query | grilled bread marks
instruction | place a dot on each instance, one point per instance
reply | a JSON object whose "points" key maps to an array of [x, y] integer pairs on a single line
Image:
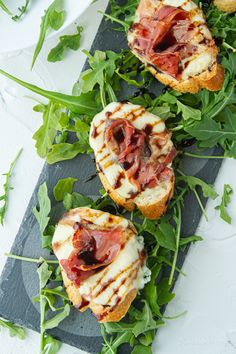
{"points": [[172, 39], [108, 281], [133, 152]]}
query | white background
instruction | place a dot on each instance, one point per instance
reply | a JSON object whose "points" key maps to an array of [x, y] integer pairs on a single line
{"points": [[208, 292]]}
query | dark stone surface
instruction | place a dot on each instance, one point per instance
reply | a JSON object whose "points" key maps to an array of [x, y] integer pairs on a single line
{"points": [[19, 281]]}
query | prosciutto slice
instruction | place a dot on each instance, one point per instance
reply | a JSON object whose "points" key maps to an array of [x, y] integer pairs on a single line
{"points": [[133, 151], [93, 249], [162, 38]]}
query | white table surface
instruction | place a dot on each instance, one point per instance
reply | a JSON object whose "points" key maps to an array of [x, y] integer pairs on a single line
{"points": [[208, 292]]}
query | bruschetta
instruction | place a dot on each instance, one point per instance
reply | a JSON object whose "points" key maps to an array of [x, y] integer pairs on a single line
{"points": [[172, 39], [226, 5], [134, 153], [103, 261]]}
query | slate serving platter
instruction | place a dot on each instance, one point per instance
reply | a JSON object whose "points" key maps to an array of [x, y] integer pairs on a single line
{"points": [[19, 280]]}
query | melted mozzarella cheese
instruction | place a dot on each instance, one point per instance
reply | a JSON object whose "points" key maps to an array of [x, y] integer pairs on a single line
{"points": [[197, 65], [122, 275], [106, 160]]}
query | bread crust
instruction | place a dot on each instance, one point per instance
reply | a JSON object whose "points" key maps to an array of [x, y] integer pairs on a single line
{"points": [[226, 5], [114, 314], [211, 80], [150, 211]]}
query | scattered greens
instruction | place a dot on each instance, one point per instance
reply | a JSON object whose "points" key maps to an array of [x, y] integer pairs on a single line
{"points": [[63, 187], [22, 11], [42, 215], [5, 8], [65, 42], [48, 299], [53, 19], [6, 188], [14, 330], [226, 198]]}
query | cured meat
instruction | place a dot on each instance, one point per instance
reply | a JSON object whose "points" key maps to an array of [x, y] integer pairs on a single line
{"points": [[93, 249], [133, 152]]}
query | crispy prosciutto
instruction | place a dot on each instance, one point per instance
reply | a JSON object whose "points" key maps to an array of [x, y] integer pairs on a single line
{"points": [[135, 154], [93, 249], [163, 37]]}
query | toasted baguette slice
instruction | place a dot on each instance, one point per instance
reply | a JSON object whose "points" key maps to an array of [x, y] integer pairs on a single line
{"points": [[151, 198], [172, 39], [107, 288], [226, 5]]}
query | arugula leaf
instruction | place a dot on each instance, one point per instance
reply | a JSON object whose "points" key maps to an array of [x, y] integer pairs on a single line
{"points": [[44, 208], [83, 104], [22, 11], [4, 8], [188, 112], [46, 134], [66, 151], [48, 298], [14, 330], [51, 20], [141, 349], [50, 345], [207, 189], [151, 290], [163, 232], [123, 15], [57, 319], [191, 239], [63, 187], [6, 188], [42, 215], [75, 200], [65, 42], [103, 65], [226, 199], [44, 273]]}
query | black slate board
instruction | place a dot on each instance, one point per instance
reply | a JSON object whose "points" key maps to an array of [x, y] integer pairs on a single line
{"points": [[19, 280]]}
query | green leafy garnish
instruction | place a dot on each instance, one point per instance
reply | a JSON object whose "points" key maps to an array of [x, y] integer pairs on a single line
{"points": [[63, 187], [22, 11], [75, 200], [52, 19], [6, 188], [65, 42], [4, 8], [103, 65], [225, 200], [42, 215], [48, 298], [14, 330]]}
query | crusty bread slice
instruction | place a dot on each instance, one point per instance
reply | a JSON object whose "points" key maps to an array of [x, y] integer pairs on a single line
{"points": [[199, 70], [151, 201], [153, 210], [110, 290], [226, 5], [211, 79], [115, 314]]}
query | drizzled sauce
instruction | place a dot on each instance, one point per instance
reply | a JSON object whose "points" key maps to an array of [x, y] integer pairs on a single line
{"points": [[118, 182]]}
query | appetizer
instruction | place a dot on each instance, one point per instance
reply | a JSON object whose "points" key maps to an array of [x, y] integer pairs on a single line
{"points": [[172, 39], [134, 153], [102, 261], [226, 5]]}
